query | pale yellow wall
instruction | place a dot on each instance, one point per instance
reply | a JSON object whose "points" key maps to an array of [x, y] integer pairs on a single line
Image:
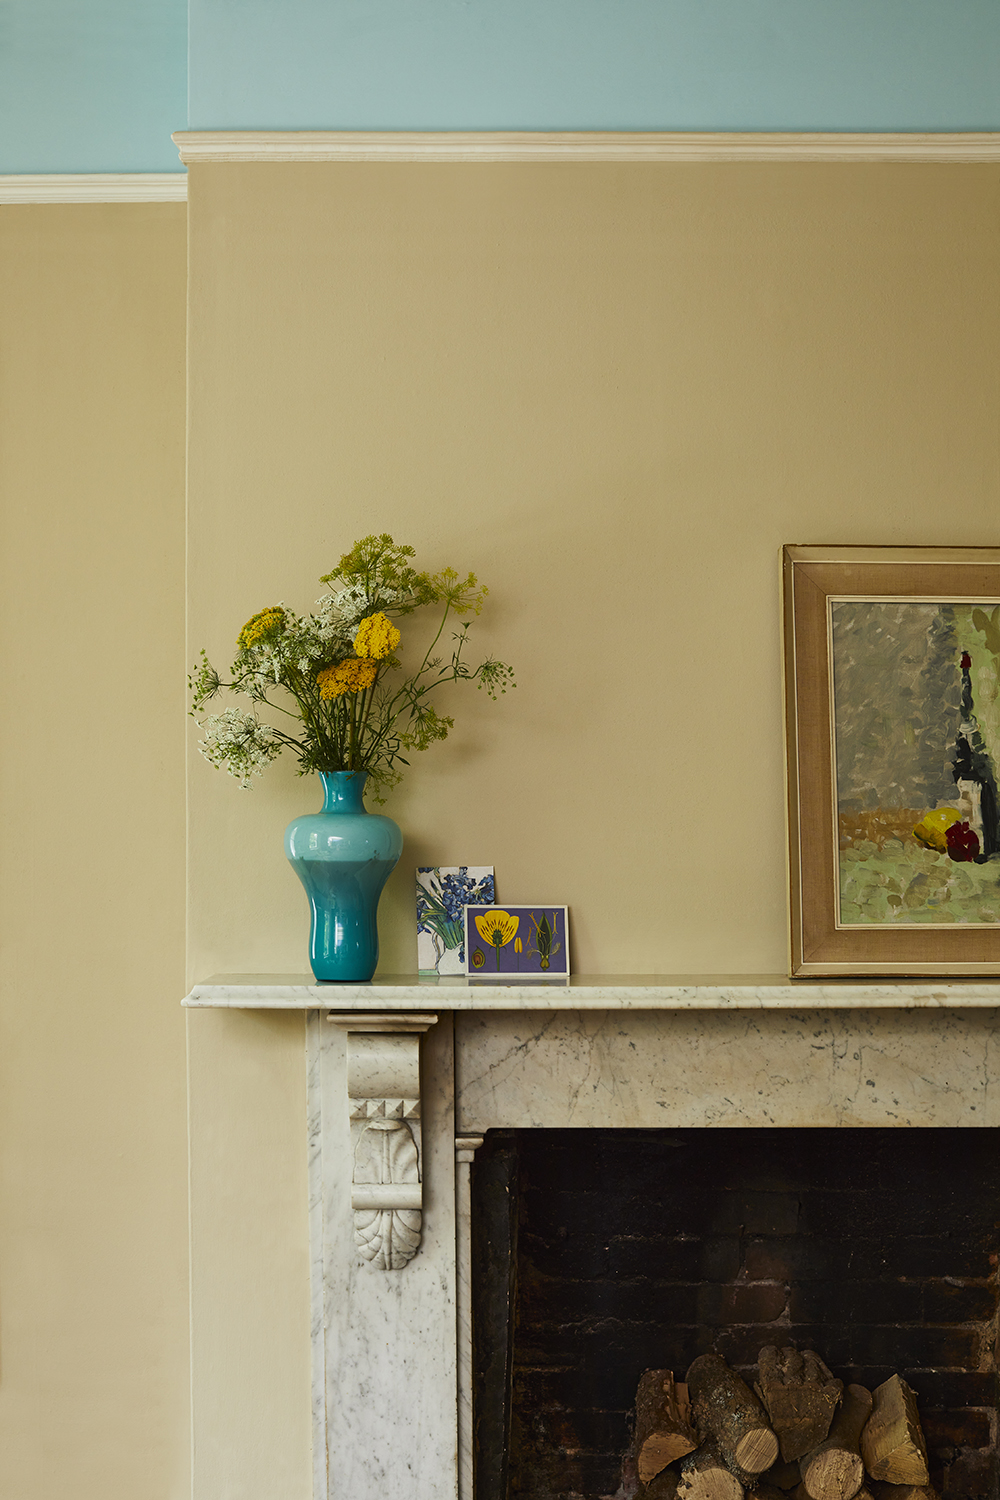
{"points": [[614, 392], [249, 1256], [93, 1238]]}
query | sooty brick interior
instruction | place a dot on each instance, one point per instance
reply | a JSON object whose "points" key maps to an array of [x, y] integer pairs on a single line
{"points": [[624, 1250]]}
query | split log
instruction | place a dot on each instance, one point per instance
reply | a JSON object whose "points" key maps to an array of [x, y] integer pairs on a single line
{"points": [[705, 1477], [833, 1470], [892, 1443], [799, 1395], [662, 1423], [784, 1476], [727, 1412], [885, 1491]]}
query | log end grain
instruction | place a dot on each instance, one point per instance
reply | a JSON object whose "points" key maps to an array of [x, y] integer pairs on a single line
{"points": [[661, 1449], [663, 1431], [756, 1450], [832, 1474], [728, 1414], [705, 1477]]}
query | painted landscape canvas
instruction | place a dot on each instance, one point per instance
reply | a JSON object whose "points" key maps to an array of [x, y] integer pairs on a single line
{"points": [[513, 942], [916, 730]]}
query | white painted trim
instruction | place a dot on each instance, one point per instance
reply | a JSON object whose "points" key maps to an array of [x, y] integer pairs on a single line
{"points": [[584, 145], [94, 187]]}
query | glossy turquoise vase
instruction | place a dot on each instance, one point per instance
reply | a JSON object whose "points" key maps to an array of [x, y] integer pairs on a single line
{"points": [[343, 855]]}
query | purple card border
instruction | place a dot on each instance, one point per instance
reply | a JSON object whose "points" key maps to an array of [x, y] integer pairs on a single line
{"points": [[513, 976]]}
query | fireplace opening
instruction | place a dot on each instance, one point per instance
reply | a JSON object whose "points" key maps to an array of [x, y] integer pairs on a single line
{"points": [[598, 1254]]}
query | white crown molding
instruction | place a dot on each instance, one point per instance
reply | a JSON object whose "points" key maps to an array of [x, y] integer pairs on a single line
{"points": [[585, 145], [94, 187]]}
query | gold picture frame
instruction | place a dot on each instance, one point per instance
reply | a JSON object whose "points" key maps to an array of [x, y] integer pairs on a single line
{"points": [[893, 817]]}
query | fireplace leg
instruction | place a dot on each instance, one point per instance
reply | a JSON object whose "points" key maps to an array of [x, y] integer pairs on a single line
{"points": [[466, 1147], [385, 1347]]}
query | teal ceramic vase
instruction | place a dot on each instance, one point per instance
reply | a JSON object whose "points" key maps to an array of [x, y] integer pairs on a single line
{"points": [[343, 855]]}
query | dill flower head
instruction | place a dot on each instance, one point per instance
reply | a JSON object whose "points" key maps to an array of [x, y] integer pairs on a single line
{"points": [[350, 676], [265, 622], [377, 637]]}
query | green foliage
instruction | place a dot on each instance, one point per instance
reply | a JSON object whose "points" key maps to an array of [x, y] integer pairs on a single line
{"points": [[297, 666], [378, 566], [204, 683]]}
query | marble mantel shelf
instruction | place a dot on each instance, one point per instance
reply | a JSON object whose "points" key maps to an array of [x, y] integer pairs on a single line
{"points": [[402, 992]]}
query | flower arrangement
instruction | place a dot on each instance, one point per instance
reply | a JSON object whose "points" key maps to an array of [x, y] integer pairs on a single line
{"points": [[338, 668]]}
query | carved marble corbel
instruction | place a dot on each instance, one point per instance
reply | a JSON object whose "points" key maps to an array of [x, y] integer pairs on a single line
{"points": [[383, 1088]]}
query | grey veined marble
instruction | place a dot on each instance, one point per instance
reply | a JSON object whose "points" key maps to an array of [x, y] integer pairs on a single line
{"points": [[588, 992], [807, 1068], [385, 1346]]}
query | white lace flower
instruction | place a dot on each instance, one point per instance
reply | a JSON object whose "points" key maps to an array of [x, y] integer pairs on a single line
{"points": [[238, 743], [346, 608]]}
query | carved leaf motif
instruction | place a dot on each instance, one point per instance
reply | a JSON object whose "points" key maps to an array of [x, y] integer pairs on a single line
{"points": [[387, 1153], [387, 1237]]}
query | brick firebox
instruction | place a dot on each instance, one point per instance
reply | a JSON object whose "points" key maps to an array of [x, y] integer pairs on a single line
{"points": [[604, 1252]]}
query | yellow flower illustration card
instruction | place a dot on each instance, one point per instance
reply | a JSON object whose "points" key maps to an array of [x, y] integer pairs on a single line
{"points": [[517, 942]]}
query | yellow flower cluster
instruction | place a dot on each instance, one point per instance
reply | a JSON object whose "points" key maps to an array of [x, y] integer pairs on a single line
{"points": [[259, 625], [351, 676], [377, 637]]}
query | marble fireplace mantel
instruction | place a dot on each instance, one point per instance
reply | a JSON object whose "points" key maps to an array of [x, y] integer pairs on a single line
{"points": [[590, 992], [391, 1341]]}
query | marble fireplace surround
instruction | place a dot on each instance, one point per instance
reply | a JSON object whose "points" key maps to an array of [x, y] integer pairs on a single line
{"points": [[392, 1348]]}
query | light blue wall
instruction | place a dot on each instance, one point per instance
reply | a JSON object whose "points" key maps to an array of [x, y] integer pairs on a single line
{"points": [[596, 64], [92, 85], [98, 85]]}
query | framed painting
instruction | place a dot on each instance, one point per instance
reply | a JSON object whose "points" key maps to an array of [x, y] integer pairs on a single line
{"points": [[892, 719]]}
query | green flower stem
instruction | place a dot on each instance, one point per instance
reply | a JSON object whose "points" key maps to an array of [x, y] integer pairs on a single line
{"points": [[369, 696], [430, 648]]}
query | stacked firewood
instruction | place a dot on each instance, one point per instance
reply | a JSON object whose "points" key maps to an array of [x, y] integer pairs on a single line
{"points": [[798, 1435]]}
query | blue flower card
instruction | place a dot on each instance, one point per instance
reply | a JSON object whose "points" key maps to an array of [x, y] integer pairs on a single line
{"points": [[517, 942], [443, 891]]}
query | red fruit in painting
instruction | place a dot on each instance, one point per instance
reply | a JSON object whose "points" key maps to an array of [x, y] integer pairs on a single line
{"points": [[962, 841]]}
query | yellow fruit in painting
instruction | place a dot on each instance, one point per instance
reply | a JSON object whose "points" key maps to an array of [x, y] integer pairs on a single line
{"points": [[932, 829]]}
